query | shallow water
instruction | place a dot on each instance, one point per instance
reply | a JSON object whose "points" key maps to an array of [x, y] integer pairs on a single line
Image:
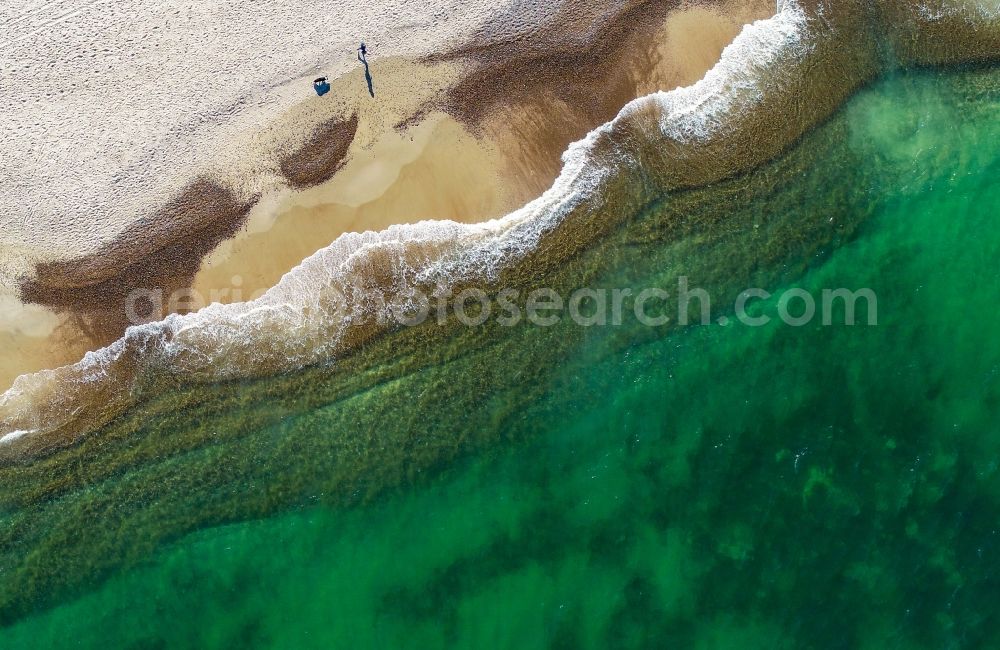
{"points": [[710, 486]]}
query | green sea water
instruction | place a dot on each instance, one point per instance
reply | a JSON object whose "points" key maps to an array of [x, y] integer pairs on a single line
{"points": [[717, 486]]}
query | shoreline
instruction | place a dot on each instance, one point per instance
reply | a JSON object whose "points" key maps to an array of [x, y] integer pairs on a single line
{"points": [[444, 166], [450, 166], [687, 138]]}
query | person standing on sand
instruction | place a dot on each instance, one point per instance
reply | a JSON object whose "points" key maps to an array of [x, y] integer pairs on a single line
{"points": [[363, 58]]}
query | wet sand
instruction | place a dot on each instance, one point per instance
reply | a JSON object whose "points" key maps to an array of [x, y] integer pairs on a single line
{"points": [[82, 303], [433, 144], [464, 166], [721, 127]]}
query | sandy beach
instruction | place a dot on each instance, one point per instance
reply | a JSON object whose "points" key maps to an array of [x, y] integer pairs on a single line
{"points": [[426, 147], [447, 167]]}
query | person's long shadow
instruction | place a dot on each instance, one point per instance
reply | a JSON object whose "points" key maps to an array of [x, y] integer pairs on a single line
{"points": [[368, 75]]}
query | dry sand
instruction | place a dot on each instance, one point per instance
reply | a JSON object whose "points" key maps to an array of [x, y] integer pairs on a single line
{"points": [[408, 156], [444, 168]]}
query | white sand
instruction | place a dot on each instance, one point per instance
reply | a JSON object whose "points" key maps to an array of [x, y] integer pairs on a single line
{"points": [[436, 169], [110, 107]]}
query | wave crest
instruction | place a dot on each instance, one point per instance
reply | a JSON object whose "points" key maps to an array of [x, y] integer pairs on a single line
{"points": [[779, 77]]}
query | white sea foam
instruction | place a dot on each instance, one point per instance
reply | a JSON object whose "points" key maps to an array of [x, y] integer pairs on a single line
{"points": [[12, 436], [698, 111], [303, 319]]}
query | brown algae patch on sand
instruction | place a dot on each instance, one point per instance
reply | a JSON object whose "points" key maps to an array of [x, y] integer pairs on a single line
{"points": [[688, 43], [161, 253], [405, 170], [435, 170], [466, 163], [319, 158]]}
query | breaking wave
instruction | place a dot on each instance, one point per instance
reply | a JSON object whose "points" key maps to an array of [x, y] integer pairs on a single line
{"points": [[780, 77]]}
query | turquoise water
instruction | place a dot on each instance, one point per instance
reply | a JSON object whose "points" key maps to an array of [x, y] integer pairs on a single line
{"points": [[707, 487]]}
